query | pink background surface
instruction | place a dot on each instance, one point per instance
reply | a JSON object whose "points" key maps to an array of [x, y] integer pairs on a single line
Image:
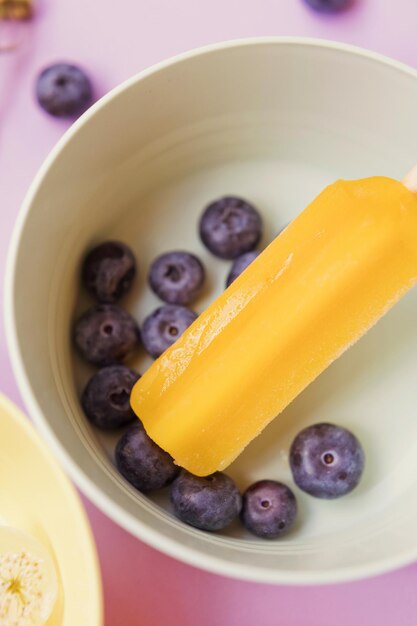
{"points": [[115, 40]]}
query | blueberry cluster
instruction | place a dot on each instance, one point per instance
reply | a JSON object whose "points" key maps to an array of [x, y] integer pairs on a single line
{"points": [[105, 335], [326, 460]]}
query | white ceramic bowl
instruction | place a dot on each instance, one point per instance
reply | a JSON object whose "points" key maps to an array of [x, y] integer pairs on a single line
{"points": [[272, 120]]}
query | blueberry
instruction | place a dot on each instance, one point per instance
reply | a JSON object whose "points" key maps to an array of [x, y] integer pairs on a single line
{"points": [[269, 509], [63, 90], [106, 334], [326, 461], [329, 6], [209, 503], [240, 264], [144, 464], [164, 326], [108, 271], [230, 226], [177, 277], [106, 398]]}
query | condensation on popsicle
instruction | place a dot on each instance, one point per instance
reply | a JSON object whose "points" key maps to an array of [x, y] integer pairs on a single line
{"points": [[315, 290]]}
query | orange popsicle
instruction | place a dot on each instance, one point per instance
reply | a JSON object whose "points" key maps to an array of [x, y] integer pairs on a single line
{"points": [[314, 291]]}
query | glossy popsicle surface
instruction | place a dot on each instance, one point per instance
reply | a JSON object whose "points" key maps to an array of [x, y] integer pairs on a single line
{"points": [[316, 289]]}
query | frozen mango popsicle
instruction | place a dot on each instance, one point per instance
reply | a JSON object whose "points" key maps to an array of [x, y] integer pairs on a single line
{"points": [[314, 291]]}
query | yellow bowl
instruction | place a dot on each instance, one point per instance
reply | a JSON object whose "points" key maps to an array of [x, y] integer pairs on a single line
{"points": [[37, 497]]}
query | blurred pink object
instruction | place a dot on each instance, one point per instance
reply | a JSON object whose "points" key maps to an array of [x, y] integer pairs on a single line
{"points": [[14, 15]]}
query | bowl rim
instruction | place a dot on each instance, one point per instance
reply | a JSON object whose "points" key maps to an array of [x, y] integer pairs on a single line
{"points": [[70, 496], [155, 538]]}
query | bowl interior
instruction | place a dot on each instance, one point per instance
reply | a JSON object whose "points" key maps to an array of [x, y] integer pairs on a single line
{"points": [[274, 122]]}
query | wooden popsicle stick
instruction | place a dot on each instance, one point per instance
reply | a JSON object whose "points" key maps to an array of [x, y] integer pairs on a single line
{"points": [[410, 180]]}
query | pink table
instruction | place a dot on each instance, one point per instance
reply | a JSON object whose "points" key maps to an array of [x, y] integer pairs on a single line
{"points": [[115, 40]]}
